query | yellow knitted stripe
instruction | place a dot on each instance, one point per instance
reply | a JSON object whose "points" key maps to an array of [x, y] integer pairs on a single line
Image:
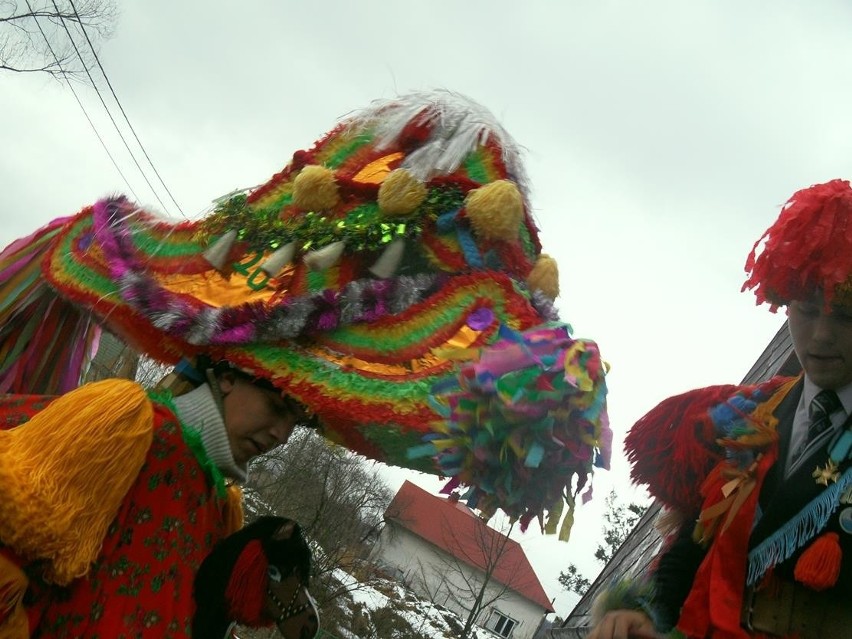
{"points": [[64, 473], [764, 414]]}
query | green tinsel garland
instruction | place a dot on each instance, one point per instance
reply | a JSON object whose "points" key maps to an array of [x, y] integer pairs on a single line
{"points": [[363, 228]]}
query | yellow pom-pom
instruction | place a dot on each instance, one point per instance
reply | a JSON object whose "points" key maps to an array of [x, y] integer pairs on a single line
{"points": [[400, 193], [495, 210], [314, 189], [544, 276]]}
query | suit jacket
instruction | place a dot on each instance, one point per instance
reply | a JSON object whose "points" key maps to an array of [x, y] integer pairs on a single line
{"points": [[779, 500]]}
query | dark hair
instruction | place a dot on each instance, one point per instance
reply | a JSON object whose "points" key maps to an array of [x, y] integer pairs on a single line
{"points": [[220, 367]]}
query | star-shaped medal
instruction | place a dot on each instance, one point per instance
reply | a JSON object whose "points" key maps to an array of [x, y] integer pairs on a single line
{"points": [[826, 474]]}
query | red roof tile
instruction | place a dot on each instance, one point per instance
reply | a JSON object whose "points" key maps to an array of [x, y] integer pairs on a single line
{"points": [[454, 528]]}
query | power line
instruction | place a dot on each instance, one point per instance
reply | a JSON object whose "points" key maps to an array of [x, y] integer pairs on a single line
{"points": [[126, 119], [76, 97], [106, 108]]}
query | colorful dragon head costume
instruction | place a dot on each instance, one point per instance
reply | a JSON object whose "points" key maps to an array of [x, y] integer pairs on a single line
{"points": [[390, 278]]}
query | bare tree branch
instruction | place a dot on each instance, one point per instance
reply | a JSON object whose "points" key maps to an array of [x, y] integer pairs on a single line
{"points": [[33, 37], [487, 552], [338, 499], [620, 519]]}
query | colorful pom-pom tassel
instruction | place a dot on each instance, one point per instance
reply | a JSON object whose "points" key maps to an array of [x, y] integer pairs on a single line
{"points": [[819, 566], [544, 276], [315, 189], [400, 193], [495, 210]]}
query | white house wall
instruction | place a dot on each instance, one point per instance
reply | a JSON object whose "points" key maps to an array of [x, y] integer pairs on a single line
{"points": [[433, 575]]}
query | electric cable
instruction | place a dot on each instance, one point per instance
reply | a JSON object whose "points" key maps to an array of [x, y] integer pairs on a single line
{"points": [[76, 97], [121, 108], [106, 108]]}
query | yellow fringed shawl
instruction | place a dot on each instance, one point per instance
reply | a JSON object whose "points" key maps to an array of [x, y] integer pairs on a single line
{"points": [[64, 473]]}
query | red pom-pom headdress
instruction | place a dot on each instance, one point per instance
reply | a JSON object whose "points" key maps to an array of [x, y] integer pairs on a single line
{"points": [[806, 249]]}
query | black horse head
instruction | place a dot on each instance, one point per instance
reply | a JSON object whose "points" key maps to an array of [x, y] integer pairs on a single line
{"points": [[258, 576]]}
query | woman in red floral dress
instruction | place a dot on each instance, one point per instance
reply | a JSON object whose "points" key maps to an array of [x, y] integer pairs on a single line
{"points": [[144, 473]]}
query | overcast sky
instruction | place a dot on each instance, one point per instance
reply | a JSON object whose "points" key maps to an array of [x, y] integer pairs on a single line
{"points": [[661, 139]]}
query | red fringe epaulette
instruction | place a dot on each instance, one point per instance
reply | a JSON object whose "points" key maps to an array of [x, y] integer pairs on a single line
{"points": [[676, 445]]}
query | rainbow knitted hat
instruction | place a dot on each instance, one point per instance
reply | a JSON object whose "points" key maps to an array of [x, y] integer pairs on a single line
{"points": [[390, 278]]}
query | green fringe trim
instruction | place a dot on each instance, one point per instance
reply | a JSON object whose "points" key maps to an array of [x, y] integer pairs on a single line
{"points": [[192, 438]]}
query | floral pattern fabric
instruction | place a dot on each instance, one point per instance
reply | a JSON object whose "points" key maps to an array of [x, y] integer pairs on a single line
{"points": [[141, 585]]}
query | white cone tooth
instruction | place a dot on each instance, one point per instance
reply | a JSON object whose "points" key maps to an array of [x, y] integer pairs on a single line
{"points": [[324, 258], [389, 260], [280, 258], [218, 252]]}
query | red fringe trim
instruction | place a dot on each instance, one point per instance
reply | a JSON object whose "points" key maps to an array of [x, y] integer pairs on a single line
{"points": [[246, 591], [677, 433]]}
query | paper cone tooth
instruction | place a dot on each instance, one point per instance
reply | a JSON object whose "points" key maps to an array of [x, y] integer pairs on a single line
{"points": [[218, 252], [279, 259], [389, 260], [325, 257]]}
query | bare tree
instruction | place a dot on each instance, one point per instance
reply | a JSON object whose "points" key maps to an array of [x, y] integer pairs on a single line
{"points": [[476, 589], [34, 34], [337, 497]]}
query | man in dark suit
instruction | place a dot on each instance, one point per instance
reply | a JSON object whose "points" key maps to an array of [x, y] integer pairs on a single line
{"points": [[762, 484]]}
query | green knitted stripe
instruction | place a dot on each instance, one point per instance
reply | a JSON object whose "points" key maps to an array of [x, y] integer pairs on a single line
{"points": [[280, 203], [316, 281], [363, 338], [338, 158], [82, 275], [526, 241], [476, 169], [341, 383], [155, 244]]}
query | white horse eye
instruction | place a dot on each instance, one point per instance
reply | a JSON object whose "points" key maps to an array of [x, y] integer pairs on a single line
{"points": [[274, 573]]}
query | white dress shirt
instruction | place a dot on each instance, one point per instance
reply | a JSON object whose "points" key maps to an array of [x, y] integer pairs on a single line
{"points": [[802, 419]]}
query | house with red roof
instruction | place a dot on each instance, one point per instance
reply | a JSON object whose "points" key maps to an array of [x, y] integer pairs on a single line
{"points": [[443, 552]]}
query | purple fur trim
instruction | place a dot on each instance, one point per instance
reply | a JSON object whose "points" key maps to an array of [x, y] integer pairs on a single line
{"points": [[112, 234], [374, 300], [328, 312], [544, 306]]}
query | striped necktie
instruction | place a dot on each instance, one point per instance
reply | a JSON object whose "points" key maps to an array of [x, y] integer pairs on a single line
{"points": [[822, 407]]}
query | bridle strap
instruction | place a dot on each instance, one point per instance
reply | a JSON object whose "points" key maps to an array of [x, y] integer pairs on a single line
{"points": [[291, 609]]}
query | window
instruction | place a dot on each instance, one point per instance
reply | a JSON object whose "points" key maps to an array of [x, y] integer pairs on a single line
{"points": [[500, 624]]}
